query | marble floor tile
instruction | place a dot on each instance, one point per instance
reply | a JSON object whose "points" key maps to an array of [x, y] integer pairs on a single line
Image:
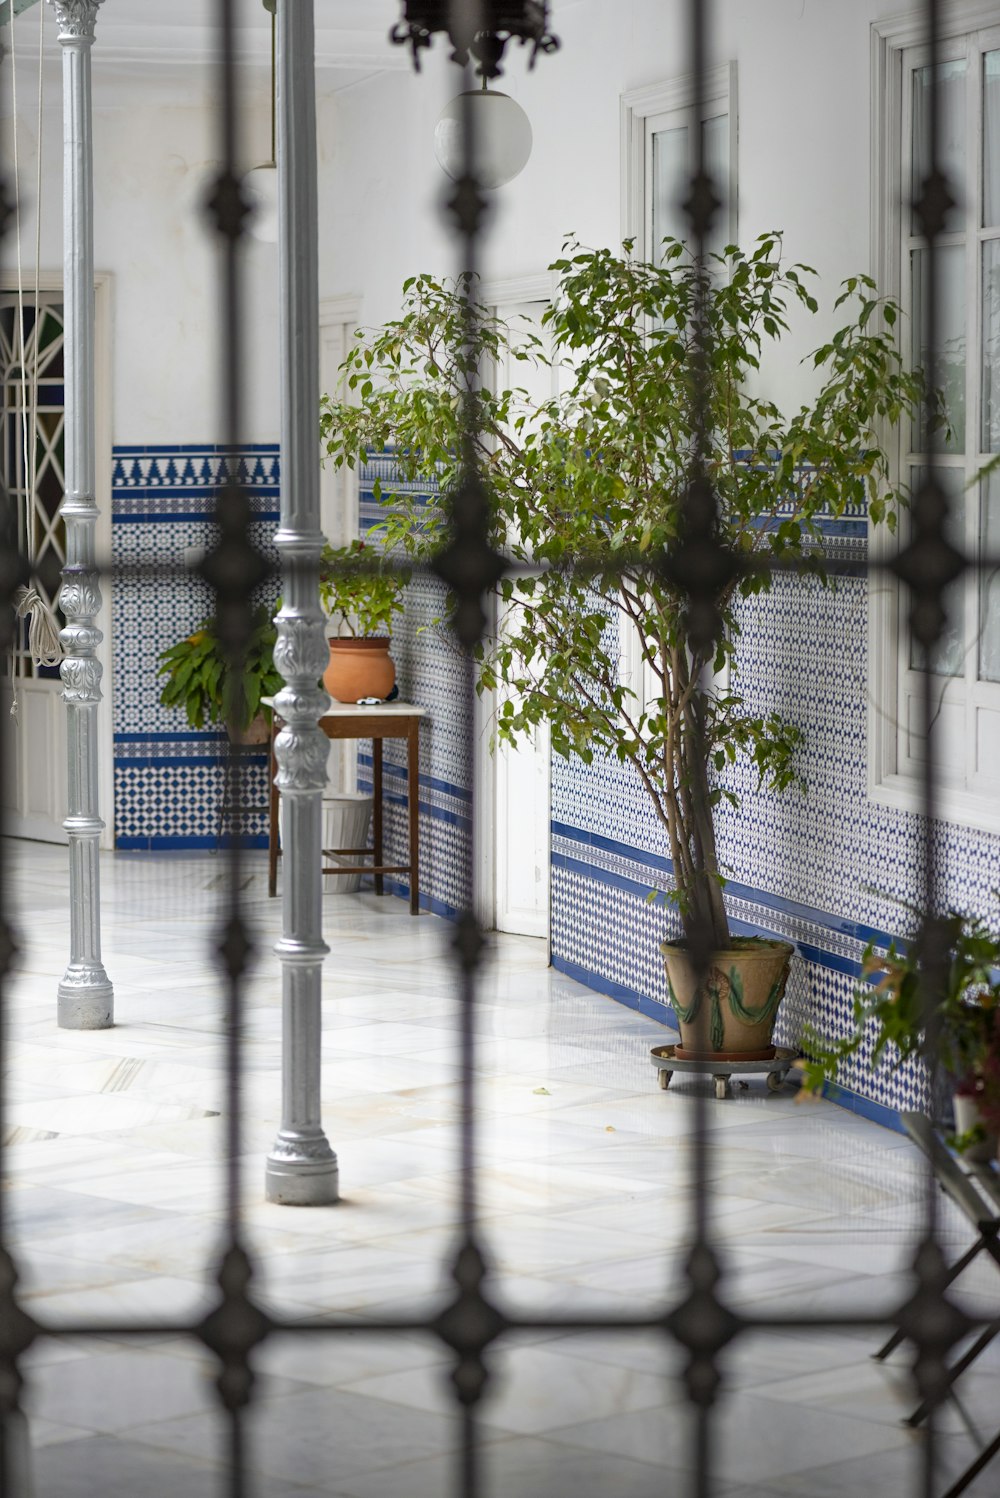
{"points": [[116, 1144], [319, 1437], [116, 1468], [530, 1390], [752, 1439]]}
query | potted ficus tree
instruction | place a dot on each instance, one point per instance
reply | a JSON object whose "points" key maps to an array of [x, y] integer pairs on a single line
{"points": [[587, 491]]}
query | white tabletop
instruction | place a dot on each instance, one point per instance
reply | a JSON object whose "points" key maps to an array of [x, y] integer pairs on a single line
{"points": [[354, 709]]}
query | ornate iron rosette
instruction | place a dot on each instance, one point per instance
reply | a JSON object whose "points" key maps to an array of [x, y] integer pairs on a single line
{"points": [[525, 21]]}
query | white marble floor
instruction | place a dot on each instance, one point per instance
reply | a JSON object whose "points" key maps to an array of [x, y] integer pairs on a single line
{"points": [[113, 1197]]}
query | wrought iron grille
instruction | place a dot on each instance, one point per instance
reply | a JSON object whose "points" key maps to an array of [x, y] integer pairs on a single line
{"points": [[699, 1321]]}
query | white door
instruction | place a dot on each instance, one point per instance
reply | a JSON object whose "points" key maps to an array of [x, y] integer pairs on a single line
{"points": [[34, 795], [35, 788], [338, 503], [521, 775]]}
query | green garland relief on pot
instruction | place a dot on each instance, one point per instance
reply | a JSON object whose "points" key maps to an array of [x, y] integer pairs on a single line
{"points": [[742, 1011]]}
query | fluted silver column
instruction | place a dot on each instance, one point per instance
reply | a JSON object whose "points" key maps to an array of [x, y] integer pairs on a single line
{"points": [[301, 1168], [86, 998]]}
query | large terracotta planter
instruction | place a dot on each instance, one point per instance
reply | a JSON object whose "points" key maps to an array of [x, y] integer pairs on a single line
{"points": [[733, 1016], [359, 668]]}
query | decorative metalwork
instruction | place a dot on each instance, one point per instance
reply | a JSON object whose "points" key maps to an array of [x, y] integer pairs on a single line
{"points": [[481, 32], [302, 1167], [76, 19]]}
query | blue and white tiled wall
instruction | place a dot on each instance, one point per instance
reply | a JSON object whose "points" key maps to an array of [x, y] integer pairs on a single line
{"points": [[827, 869], [430, 673], [168, 777]]}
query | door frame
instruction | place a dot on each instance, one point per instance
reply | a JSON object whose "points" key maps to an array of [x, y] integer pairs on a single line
{"points": [[339, 316], [50, 280], [496, 292]]}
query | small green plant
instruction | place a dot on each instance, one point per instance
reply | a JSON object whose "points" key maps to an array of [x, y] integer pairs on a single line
{"points": [[890, 1004], [199, 680], [359, 590]]}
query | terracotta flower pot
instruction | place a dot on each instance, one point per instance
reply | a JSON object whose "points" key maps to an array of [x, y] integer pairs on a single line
{"points": [[359, 668], [733, 1015]]}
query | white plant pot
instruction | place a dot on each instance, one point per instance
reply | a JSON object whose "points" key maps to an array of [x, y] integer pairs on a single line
{"points": [[346, 818], [967, 1116]]}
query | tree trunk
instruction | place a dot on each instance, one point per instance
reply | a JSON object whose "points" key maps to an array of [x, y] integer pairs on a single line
{"points": [[704, 920]]}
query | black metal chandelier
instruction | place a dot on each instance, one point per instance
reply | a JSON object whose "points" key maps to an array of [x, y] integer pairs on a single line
{"points": [[525, 21]]}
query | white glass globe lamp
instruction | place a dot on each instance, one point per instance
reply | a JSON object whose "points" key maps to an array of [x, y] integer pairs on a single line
{"points": [[261, 188], [502, 132]]}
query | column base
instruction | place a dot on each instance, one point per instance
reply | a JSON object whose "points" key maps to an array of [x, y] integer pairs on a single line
{"points": [[86, 999], [303, 1177]]}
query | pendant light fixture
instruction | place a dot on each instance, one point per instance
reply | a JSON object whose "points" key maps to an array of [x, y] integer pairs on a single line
{"points": [[261, 182], [500, 128]]}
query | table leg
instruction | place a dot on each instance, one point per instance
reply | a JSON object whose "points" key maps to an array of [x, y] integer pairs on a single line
{"points": [[272, 820], [413, 799], [377, 809]]}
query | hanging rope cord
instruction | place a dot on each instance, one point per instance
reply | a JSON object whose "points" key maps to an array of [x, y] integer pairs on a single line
{"points": [[43, 630]]}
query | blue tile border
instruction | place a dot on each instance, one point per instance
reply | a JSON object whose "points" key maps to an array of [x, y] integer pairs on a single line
{"points": [[656, 863], [181, 844], [618, 991]]}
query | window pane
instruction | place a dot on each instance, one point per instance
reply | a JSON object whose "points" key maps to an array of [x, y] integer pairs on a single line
{"points": [[715, 145], [671, 173], [989, 588], [949, 657], [950, 371], [951, 146], [991, 346], [991, 138]]}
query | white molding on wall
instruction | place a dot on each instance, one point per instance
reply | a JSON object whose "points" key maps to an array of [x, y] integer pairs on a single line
{"points": [[638, 104], [957, 17], [502, 291], [142, 45]]}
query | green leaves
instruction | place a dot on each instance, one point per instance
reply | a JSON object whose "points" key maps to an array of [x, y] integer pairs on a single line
{"points": [[899, 1004], [200, 678], [586, 488]]}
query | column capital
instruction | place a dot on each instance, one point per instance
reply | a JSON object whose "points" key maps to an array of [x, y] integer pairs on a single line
{"points": [[76, 19]]}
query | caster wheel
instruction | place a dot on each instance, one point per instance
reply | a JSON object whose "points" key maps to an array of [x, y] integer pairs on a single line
{"points": [[664, 1078], [721, 1087], [775, 1079]]}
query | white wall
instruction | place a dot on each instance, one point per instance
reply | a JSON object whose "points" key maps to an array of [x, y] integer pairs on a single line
{"points": [[803, 85], [155, 148], [803, 80]]}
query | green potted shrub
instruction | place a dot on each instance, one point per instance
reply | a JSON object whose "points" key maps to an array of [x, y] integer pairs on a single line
{"points": [[360, 591], [889, 1007], [199, 681], [587, 491]]}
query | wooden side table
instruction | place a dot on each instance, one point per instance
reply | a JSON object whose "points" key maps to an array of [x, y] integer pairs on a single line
{"points": [[389, 720]]}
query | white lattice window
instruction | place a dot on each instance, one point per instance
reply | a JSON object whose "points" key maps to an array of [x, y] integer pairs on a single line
{"points": [[31, 357], [966, 665]]}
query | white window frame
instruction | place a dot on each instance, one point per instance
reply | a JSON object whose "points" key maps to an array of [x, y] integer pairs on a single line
{"points": [[965, 794], [644, 111]]}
